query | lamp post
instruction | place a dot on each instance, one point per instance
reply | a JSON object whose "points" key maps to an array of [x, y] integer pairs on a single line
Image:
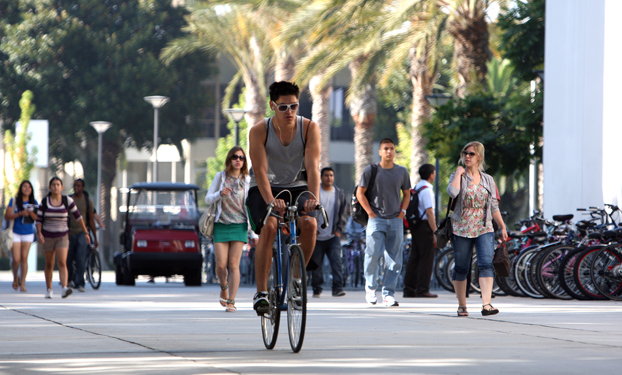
{"points": [[100, 127], [237, 115], [157, 102], [437, 100]]}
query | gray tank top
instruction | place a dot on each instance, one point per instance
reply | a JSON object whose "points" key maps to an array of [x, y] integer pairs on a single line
{"points": [[286, 164]]}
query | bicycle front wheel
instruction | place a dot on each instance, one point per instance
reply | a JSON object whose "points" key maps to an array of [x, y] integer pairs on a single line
{"points": [[270, 321], [297, 298], [94, 269]]}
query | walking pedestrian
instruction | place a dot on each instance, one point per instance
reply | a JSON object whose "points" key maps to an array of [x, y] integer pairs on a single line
{"points": [[421, 259], [476, 206], [328, 240], [78, 247], [229, 191], [385, 228], [53, 229], [23, 211]]}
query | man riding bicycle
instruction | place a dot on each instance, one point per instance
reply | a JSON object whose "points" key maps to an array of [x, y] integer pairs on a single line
{"points": [[285, 153]]}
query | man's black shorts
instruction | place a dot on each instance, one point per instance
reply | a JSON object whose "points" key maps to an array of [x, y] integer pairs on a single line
{"points": [[257, 207]]}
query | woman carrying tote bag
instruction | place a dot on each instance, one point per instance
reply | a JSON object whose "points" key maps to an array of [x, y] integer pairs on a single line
{"points": [[228, 191], [475, 193]]}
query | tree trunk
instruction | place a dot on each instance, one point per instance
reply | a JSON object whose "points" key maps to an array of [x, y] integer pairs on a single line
{"points": [[423, 83], [255, 101], [471, 51], [285, 67], [320, 115], [363, 108], [110, 153]]}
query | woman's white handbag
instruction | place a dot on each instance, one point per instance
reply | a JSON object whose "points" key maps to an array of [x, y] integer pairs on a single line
{"points": [[6, 239], [206, 222]]}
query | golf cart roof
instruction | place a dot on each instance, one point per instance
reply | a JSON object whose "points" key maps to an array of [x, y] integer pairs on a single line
{"points": [[164, 186]]}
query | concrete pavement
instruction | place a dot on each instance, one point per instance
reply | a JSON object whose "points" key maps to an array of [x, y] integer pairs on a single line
{"points": [[166, 328]]}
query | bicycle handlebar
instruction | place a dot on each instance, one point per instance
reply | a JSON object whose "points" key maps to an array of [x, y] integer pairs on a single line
{"points": [[318, 207]]}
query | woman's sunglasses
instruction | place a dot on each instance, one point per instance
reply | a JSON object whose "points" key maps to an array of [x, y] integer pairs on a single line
{"points": [[238, 157], [285, 107], [469, 154]]}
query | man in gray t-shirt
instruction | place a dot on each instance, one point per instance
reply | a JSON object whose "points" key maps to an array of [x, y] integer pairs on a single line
{"points": [[385, 229]]}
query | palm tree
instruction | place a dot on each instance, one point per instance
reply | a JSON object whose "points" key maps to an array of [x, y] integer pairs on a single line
{"points": [[340, 34], [469, 28], [237, 34], [413, 33]]}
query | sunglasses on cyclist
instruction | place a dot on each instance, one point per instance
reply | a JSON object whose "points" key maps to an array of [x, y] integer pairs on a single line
{"points": [[238, 157], [285, 107], [467, 153]]}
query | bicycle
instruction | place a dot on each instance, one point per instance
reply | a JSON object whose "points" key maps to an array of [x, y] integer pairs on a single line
{"points": [[292, 295], [93, 267]]}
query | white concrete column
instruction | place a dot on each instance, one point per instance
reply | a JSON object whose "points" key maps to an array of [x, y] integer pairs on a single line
{"points": [[574, 105]]}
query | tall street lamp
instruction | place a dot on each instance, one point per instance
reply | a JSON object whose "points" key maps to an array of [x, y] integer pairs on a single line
{"points": [[437, 100], [237, 115], [157, 102], [100, 128]]}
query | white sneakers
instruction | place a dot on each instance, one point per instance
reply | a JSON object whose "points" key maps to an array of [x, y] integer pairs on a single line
{"points": [[390, 301], [370, 296], [66, 292]]}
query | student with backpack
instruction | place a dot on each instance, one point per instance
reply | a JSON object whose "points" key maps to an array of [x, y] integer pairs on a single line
{"points": [[422, 225], [53, 229], [386, 208]]}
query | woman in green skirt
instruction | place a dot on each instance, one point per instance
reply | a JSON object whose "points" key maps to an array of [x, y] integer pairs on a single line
{"points": [[229, 190]]}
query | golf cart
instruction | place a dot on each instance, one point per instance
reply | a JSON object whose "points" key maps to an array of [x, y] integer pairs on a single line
{"points": [[160, 235]]}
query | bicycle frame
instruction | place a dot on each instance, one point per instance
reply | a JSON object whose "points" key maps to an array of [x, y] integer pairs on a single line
{"points": [[291, 217]]}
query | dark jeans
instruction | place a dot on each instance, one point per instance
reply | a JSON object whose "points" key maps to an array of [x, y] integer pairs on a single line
{"points": [[420, 261], [77, 253], [332, 249]]}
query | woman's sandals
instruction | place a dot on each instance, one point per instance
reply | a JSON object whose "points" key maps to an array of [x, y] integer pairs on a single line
{"points": [[462, 311], [491, 311], [223, 301], [231, 308]]}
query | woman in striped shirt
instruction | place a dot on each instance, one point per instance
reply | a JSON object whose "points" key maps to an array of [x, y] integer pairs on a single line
{"points": [[53, 228]]}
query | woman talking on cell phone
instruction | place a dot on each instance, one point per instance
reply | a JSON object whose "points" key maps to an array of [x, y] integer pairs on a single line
{"points": [[476, 206]]}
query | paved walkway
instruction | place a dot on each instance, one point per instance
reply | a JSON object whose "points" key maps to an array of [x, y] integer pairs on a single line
{"points": [[166, 328]]}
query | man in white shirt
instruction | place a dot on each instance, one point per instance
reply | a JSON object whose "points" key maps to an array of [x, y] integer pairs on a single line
{"points": [[328, 240], [421, 259]]}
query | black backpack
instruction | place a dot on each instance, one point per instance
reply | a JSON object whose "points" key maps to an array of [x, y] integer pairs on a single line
{"points": [[412, 211], [358, 214]]}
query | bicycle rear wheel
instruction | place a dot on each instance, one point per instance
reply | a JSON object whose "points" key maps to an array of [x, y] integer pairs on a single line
{"points": [[443, 278], [606, 271], [521, 273], [548, 271], [270, 321], [566, 271], [296, 298], [583, 276], [94, 269]]}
